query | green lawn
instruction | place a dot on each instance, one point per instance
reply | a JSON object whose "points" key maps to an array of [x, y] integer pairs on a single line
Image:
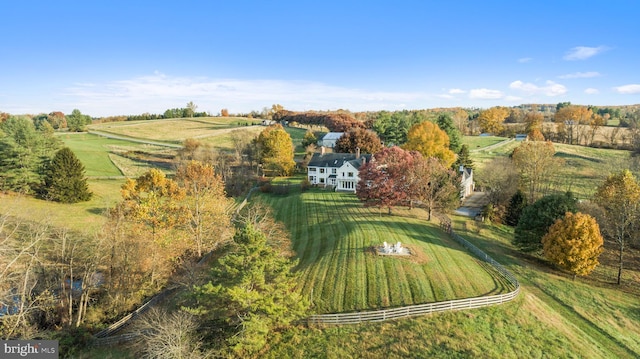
{"points": [[477, 142], [333, 236], [93, 152], [553, 317]]}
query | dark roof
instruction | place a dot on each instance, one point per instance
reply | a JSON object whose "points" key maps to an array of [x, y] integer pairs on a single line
{"points": [[336, 159]]}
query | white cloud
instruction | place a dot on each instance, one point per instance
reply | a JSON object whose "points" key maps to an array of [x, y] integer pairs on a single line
{"points": [[524, 60], [591, 91], [628, 89], [580, 75], [583, 52], [551, 88], [457, 91], [485, 94], [513, 98], [158, 92], [446, 96]]}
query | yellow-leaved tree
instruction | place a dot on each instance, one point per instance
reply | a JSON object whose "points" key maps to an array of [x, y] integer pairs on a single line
{"points": [[537, 164], [275, 149], [491, 120], [574, 243], [428, 139], [619, 197]]}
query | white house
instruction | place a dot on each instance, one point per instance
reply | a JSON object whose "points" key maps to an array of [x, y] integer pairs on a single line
{"points": [[466, 182], [339, 170], [329, 140]]}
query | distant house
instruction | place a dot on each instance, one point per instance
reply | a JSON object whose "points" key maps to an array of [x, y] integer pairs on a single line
{"points": [[329, 140], [521, 136], [339, 170], [466, 182], [268, 122]]}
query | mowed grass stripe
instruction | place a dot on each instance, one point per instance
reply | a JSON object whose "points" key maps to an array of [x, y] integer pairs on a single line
{"points": [[333, 235]]}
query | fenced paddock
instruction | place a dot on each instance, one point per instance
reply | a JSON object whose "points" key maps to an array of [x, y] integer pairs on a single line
{"points": [[428, 308]]}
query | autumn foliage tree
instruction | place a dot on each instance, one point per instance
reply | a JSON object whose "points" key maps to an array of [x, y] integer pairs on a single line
{"points": [[432, 185], [152, 208], [574, 243], [619, 197], [383, 180], [568, 118], [536, 164], [205, 205], [367, 141], [430, 141], [275, 149], [491, 120]]}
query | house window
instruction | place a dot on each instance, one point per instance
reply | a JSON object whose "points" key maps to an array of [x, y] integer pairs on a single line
{"points": [[350, 174], [312, 169], [312, 179], [321, 180], [334, 170], [322, 170]]}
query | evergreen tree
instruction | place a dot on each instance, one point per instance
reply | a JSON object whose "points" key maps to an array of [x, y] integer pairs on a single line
{"points": [[516, 206], [65, 179], [538, 217], [251, 292], [464, 158], [445, 122]]}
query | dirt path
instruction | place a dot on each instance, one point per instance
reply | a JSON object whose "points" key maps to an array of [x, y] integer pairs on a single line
{"points": [[495, 145], [133, 139]]}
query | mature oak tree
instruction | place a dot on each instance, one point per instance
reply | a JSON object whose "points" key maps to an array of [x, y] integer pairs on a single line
{"points": [[574, 243]]}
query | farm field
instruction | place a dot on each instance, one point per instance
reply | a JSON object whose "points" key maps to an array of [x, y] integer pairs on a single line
{"points": [[333, 236], [173, 130], [584, 168]]}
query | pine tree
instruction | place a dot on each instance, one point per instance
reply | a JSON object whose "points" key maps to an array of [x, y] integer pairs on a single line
{"points": [[517, 204], [65, 179], [251, 293]]}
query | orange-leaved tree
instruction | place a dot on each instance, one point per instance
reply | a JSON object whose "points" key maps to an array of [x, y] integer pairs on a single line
{"points": [[429, 140], [574, 243], [206, 205]]}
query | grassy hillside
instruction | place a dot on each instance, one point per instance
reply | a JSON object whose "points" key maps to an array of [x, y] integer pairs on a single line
{"points": [[553, 317], [334, 236]]}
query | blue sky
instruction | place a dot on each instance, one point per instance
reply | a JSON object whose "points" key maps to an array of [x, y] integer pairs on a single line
{"points": [[130, 57]]}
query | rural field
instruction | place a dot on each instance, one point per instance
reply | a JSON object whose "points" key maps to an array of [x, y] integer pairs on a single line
{"points": [[584, 168], [334, 238]]}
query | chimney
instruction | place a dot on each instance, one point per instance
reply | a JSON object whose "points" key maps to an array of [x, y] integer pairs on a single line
{"points": [[357, 152], [322, 150]]}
